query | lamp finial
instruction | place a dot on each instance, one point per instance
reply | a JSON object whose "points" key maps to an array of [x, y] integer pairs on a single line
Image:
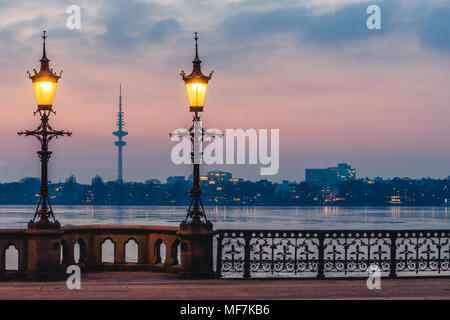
{"points": [[197, 59], [44, 60], [44, 54]]}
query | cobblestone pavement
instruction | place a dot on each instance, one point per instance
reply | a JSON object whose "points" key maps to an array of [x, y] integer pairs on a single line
{"points": [[146, 285]]}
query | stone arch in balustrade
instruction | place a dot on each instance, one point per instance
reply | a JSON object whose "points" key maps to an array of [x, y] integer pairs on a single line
{"points": [[79, 251], [11, 257], [160, 251], [108, 248], [131, 251]]}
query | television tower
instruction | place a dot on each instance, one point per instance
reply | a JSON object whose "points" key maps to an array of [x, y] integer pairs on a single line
{"points": [[120, 134]]}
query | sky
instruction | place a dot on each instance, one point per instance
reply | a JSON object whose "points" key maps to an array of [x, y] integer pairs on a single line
{"points": [[338, 92]]}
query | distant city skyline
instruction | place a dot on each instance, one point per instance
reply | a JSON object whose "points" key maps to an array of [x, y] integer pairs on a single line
{"points": [[172, 179], [221, 188], [378, 100]]}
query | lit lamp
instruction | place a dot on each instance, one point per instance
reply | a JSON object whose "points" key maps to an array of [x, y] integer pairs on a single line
{"points": [[44, 87], [196, 83], [44, 83]]}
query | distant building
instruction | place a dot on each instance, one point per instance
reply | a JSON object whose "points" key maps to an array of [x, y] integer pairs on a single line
{"points": [[218, 177], [345, 172], [175, 179], [330, 175], [152, 181], [329, 193]]}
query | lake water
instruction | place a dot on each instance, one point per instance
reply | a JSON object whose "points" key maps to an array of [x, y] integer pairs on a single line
{"points": [[243, 217], [307, 218]]}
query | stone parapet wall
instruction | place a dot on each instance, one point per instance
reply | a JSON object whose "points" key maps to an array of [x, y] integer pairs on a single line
{"points": [[158, 249]]}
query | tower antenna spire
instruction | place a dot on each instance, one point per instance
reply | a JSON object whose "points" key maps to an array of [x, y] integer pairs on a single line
{"points": [[120, 98]]}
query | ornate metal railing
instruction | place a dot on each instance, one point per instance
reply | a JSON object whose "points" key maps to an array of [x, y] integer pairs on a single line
{"points": [[332, 253]]}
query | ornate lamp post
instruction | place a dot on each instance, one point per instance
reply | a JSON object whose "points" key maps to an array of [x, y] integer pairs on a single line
{"points": [[44, 83], [196, 236], [196, 84]]}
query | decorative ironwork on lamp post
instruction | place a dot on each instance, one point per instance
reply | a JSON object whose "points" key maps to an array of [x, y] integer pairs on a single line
{"points": [[196, 84], [44, 83]]}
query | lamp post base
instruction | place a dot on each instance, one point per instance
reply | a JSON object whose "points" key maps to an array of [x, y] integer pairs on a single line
{"points": [[196, 250], [44, 225], [44, 252]]}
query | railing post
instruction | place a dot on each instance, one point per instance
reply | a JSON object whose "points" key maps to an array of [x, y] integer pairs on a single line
{"points": [[321, 265], [43, 252], [219, 256], [196, 250], [119, 251], [393, 264], [71, 253], [93, 252], [247, 237], [3, 247]]}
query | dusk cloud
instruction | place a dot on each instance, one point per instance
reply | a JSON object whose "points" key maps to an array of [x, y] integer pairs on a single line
{"points": [[434, 28], [128, 23], [345, 24], [431, 24], [340, 93]]}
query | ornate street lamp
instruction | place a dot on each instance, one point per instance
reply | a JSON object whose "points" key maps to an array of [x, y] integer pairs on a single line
{"points": [[196, 84], [44, 83]]}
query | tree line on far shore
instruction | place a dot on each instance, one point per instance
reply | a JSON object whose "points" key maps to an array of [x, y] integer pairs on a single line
{"points": [[422, 192]]}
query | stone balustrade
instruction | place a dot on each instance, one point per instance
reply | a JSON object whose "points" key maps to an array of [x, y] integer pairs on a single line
{"points": [[95, 248], [148, 247], [45, 253]]}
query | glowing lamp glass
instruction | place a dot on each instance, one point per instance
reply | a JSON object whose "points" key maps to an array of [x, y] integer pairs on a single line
{"points": [[45, 91], [196, 92]]}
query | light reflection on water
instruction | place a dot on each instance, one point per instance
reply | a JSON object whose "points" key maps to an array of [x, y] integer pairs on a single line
{"points": [[243, 217]]}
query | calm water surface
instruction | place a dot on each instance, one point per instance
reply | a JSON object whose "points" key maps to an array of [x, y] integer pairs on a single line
{"points": [[244, 217]]}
